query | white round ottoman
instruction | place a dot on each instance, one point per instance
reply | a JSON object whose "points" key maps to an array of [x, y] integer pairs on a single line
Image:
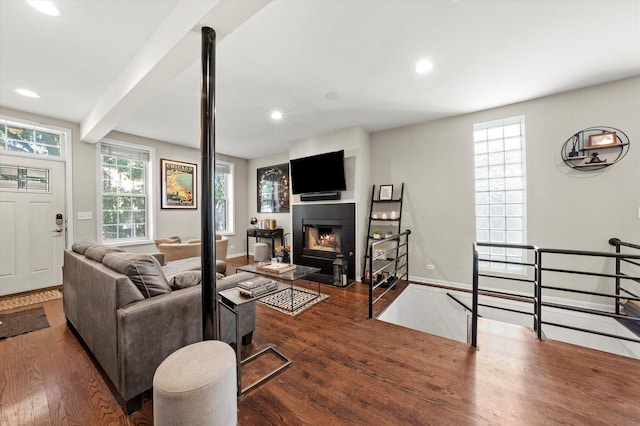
{"points": [[261, 252], [196, 385]]}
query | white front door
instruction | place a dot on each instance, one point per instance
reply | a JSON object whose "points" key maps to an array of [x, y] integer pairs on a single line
{"points": [[33, 226]]}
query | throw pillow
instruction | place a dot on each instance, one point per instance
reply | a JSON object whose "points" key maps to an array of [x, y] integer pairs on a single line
{"points": [[82, 246], [98, 252], [143, 270], [171, 240], [185, 279]]}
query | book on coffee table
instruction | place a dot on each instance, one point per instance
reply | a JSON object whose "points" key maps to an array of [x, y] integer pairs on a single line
{"points": [[277, 268], [253, 283], [258, 291]]}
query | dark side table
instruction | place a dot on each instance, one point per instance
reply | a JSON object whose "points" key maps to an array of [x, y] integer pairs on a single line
{"points": [[230, 299], [271, 234]]}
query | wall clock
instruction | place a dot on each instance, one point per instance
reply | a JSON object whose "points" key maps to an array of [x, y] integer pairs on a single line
{"points": [[273, 189]]}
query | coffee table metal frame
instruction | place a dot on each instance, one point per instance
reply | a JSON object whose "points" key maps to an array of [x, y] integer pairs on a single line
{"points": [[230, 299], [292, 276]]}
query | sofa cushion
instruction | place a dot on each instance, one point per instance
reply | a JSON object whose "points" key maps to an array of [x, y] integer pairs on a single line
{"points": [[82, 246], [176, 266], [237, 278], [98, 252], [185, 279], [144, 271]]}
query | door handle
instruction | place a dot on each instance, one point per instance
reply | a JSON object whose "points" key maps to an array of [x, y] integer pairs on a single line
{"points": [[57, 230]]}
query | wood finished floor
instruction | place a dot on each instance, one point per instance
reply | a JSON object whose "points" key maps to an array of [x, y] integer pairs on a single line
{"points": [[347, 370]]}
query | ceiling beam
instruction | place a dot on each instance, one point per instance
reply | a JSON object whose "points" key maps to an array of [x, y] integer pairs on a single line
{"points": [[173, 47]]}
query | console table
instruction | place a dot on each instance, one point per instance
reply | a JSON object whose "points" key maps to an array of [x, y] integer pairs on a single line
{"points": [[266, 233]]}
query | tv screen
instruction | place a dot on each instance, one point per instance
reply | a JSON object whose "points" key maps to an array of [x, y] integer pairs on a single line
{"points": [[318, 173]]}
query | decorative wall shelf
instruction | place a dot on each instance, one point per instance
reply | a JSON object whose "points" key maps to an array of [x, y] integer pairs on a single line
{"points": [[595, 148]]}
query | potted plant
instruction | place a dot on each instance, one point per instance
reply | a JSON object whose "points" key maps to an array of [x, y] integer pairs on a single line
{"points": [[377, 234]]}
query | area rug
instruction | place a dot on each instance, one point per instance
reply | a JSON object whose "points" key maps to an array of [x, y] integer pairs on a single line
{"points": [[29, 299], [303, 299], [22, 322]]}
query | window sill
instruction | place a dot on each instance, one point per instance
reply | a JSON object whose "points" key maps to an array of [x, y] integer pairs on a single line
{"points": [[128, 243]]}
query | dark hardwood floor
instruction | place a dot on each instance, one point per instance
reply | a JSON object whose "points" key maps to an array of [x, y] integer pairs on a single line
{"points": [[347, 370]]}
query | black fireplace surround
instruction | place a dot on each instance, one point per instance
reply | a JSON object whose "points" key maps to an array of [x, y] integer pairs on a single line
{"points": [[320, 232]]}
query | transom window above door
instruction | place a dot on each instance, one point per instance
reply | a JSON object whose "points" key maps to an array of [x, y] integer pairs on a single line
{"points": [[30, 139]]}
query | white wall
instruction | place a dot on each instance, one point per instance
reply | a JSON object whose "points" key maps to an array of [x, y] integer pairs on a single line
{"points": [[566, 208]]}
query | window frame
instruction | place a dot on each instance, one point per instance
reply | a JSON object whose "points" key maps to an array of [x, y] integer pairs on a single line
{"points": [[496, 266], [150, 185], [230, 187]]}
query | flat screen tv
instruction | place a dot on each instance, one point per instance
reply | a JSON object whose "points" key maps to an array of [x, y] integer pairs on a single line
{"points": [[318, 173]]}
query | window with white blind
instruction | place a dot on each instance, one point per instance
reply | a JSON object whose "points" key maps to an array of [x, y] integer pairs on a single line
{"points": [[500, 190], [224, 198], [125, 188]]}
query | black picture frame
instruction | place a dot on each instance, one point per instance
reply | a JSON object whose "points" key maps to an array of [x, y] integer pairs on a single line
{"points": [[386, 193], [178, 184], [273, 189]]}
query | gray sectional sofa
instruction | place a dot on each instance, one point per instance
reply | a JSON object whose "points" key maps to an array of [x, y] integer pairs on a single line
{"points": [[132, 312]]}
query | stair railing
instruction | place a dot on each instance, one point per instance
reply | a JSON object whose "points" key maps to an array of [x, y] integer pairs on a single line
{"points": [[394, 269], [619, 261], [541, 271], [521, 296]]}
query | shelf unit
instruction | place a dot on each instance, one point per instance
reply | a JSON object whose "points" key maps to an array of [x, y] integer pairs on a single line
{"points": [[578, 144], [393, 225]]}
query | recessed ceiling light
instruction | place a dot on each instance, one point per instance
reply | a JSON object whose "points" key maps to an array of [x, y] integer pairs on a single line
{"points": [[26, 92], [44, 6], [423, 66], [276, 115]]}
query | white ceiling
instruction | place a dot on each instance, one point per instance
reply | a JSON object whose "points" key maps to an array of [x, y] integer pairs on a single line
{"points": [[288, 55]]}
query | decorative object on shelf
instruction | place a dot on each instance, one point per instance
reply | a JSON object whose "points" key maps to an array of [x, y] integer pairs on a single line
{"points": [[253, 222], [384, 216], [178, 182], [578, 150], [386, 192], [574, 152], [595, 159], [374, 216], [377, 234], [602, 140], [393, 215], [340, 271], [380, 254], [388, 234], [273, 189]]}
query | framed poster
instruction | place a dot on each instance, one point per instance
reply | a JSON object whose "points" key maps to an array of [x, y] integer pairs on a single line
{"points": [[273, 189], [178, 183]]}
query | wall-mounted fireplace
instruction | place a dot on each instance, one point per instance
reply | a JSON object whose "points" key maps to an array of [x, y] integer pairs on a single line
{"points": [[320, 232]]}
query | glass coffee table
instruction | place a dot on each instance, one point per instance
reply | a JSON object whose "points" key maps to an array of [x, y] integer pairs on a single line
{"points": [[288, 296]]}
